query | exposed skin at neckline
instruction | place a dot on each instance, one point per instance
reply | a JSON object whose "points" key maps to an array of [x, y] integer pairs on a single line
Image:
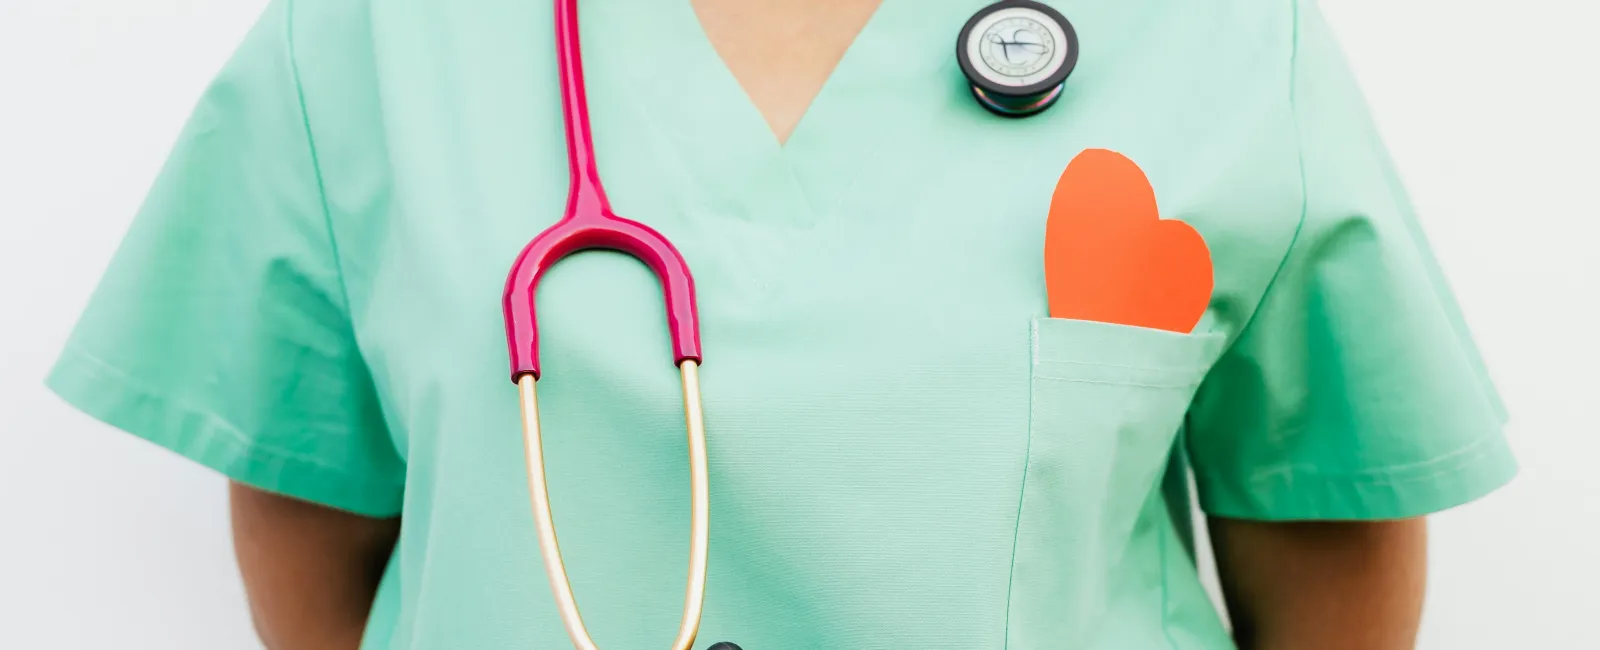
{"points": [[782, 51]]}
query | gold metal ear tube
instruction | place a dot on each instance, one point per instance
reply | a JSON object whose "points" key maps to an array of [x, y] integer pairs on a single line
{"points": [[699, 513]]}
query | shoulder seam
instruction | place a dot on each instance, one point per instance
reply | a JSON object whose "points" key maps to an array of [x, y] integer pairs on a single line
{"points": [[316, 162], [1294, 118], [1300, 161]]}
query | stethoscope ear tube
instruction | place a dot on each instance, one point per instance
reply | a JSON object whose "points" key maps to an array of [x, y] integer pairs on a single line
{"points": [[589, 224], [699, 514]]}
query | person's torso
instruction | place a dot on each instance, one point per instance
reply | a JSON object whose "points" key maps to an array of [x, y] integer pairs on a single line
{"points": [[905, 451]]}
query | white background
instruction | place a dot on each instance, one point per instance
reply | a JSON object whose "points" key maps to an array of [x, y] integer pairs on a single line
{"points": [[107, 542]]}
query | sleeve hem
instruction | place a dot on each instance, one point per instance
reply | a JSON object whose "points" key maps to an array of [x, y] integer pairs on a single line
{"points": [[119, 400], [1400, 492]]}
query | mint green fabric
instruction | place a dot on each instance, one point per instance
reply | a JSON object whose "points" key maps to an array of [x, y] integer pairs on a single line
{"points": [[906, 451]]}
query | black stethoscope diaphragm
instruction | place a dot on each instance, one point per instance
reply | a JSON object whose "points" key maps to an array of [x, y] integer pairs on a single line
{"points": [[1016, 55]]}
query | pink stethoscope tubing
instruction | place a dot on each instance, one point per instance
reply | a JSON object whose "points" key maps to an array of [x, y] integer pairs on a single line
{"points": [[589, 223]]}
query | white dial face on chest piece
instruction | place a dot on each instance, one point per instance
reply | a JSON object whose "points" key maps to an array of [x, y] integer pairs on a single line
{"points": [[1017, 47]]}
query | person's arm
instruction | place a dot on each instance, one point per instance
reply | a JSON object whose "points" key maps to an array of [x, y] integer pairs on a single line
{"points": [[222, 331], [1353, 401], [309, 571], [1355, 585]]}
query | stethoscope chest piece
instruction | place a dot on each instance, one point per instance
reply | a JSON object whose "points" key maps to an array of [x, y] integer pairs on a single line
{"points": [[1016, 55]]}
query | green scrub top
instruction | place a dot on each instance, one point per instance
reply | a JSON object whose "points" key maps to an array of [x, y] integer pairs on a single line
{"points": [[905, 450]]}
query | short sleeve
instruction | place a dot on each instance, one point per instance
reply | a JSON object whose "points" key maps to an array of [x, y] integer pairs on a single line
{"points": [[1355, 391], [220, 329]]}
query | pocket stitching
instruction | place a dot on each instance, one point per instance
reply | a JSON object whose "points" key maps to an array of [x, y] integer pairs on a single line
{"points": [[1183, 342], [1096, 364], [1076, 380]]}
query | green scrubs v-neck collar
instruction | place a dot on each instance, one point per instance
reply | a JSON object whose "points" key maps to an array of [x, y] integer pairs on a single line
{"points": [[721, 143]]}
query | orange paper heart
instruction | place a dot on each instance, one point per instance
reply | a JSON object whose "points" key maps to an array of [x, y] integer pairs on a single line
{"points": [[1109, 257]]}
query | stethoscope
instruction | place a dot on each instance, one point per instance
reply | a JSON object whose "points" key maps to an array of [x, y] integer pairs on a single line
{"points": [[1016, 55]]}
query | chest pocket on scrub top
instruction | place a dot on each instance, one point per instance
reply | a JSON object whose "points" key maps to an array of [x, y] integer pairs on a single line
{"points": [[1106, 404]]}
